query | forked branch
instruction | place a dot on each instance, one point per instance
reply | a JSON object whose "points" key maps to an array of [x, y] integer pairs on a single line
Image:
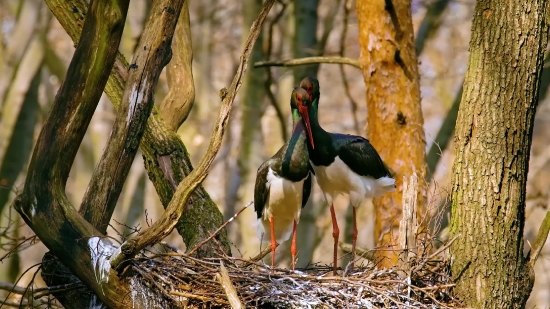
{"points": [[176, 207], [152, 54]]}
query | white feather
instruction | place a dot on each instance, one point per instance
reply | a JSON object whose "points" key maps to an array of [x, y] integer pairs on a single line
{"points": [[284, 204], [338, 178]]}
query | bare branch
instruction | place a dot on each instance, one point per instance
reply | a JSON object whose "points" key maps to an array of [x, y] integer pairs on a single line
{"points": [[308, 60], [269, 78], [170, 217], [177, 105], [540, 240], [152, 54], [353, 104]]}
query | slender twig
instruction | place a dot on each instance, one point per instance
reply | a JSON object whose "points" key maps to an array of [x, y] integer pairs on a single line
{"points": [[176, 207], [199, 297], [353, 104], [540, 240], [366, 254], [269, 79], [308, 60], [436, 253], [219, 229]]}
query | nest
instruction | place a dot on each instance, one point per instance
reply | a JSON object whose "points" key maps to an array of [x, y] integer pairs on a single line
{"points": [[224, 282]]}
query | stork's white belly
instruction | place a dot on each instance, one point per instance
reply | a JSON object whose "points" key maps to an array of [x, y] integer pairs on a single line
{"points": [[284, 204], [338, 178]]}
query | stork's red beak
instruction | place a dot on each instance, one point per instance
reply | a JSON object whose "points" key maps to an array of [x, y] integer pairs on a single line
{"points": [[305, 115]]}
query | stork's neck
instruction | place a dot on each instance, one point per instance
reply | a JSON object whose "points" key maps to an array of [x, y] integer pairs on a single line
{"points": [[294, 157], [324, 151]]}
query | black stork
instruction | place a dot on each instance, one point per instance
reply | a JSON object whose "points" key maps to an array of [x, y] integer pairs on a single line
{"points": [[343, 164], [283, 183]]}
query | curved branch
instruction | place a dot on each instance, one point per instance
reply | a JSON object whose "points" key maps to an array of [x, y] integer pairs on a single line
{"points": [[177, 104], [170, 217], [308, 60], [152, 54]]}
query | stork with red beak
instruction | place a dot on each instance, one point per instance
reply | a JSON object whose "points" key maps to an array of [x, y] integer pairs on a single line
{"points": [[343, 164], [283, 183]]}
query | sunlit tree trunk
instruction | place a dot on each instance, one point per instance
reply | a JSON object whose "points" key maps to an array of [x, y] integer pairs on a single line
{"points": [[394, 121], [492, 143]]}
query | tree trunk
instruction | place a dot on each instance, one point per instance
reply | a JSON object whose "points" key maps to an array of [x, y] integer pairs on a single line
{"points": [[492, 143], [394, 120]]}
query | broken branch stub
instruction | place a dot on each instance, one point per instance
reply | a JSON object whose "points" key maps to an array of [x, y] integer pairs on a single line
{"points": [[408, 227]]}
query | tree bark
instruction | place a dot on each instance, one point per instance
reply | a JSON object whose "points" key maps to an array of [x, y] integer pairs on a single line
{"points": [[394, 120], [492, 146]]}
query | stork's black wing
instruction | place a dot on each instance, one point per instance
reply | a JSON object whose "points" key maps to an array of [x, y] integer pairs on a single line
{"points": [[359, 155], [261, 189]]}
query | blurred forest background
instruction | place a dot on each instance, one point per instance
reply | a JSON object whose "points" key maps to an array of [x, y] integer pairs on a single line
{"points": [[35, 52]]}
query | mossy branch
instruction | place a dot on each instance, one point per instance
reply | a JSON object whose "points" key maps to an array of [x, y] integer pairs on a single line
{"points": [[175, 209]]}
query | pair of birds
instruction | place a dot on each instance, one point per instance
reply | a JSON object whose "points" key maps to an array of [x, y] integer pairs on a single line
{"points": [[342, 164]]}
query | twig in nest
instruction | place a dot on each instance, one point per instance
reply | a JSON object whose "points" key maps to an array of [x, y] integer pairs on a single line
{"points": [[366, 254], [199, 297], [259, 256], [219, 229], [443, 248], [229, 289]]}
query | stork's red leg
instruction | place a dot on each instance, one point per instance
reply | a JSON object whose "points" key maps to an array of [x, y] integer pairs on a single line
{"points": [[353, 240], [273, 243], [335, 234], [293, 246]]}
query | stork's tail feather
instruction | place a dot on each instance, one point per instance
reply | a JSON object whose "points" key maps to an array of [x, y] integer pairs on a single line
{"points": [[383, 185]]}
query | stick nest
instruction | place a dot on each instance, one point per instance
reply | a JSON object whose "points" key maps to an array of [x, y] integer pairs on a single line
{"points": [[189, 282]]}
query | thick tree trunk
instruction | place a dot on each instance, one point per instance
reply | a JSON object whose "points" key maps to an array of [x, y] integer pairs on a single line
{"points": [[394, 120], [493, 139]]}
